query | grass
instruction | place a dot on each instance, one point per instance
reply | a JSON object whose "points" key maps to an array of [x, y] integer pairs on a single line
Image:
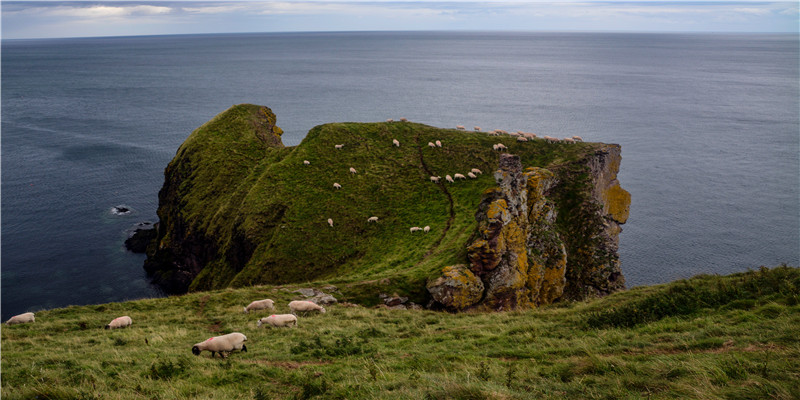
{"points": [[741, 347]]}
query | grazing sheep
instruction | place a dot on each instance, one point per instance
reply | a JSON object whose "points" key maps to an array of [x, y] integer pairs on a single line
{"points": [[121, 322], [529, 135], [461, 127], [494, 147], [396, 142], [449, 178], [221, 344], [477, 128], [306, 162], [336, 185], [435, 179], [438, 143], [476, 171], [338, 146], [568, 140], [522, 139], [21, 319], [431, 145], [389, 120], [426, 229], [499, 147], [278, 321], [404, 119], [305, 306], [471, 175], [372, 219], [330, 222], [459, 176], [577, 138], [353, 170], [515, 134], [265, 304], [415, 229]]}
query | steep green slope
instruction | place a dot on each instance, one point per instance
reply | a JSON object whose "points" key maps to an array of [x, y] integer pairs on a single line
{"points": [[714, 345], [238, 208]]}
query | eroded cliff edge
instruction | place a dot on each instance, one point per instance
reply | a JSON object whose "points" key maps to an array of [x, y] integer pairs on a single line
{"points": [[238, 208]]}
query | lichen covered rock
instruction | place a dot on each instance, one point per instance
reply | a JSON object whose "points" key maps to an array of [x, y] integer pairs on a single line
{"points": [[457, 288]]}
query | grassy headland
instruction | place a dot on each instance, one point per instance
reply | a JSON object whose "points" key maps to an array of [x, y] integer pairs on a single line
{"points": [[705, 338]]}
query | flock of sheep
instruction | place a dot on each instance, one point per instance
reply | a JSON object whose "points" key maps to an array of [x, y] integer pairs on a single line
{"points": [[218, 344]]}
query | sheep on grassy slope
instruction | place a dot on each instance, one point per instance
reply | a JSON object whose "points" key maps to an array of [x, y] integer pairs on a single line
{"points": [[389, 120], [577, 138], [459, 176], [471, 175], [265, 304], [403, 119], [460, 127], [306, 162], [396, 142], [278, 321], [438, 143], [121, 322], [477, 128], [330, 222], [415, 229], [449, 178], [352, 170], [305, 306], [426, 229], [372, 219], [435, 179], [336, 185], [338, 146], [221, 344], [522, 139], [476, 171], [21, 319], [431, 145], [568, 140]]}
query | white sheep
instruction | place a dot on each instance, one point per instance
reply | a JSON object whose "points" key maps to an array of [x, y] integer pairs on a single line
{"points": [[494, 147], [338, 146], [389, 120], [265, 304], [471, 175], [529, 135], [431, 145], [415, 229], [426, 229], [372, 219], [449, 178], [396, 142], [461, 127], [404, 119], [221, 344], [336, 185], [21, 319], [500, 147], [522, 139], [438, 143], [435, 179], [121, 322], [459, 176], [353, 170], [330, 222], [577, 138], [305, 306], [477, 129], [515, 134], [278, 321], [476, 171], [306, 162], [568, 140]]}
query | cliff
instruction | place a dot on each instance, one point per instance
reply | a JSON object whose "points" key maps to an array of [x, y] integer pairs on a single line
{"points": [[238, 208]]}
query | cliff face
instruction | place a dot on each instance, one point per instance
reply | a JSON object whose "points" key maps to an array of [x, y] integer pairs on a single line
{"points": [[238, 208]]}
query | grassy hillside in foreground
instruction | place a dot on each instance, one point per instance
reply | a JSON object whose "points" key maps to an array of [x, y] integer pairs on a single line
{"points": [[708, 337]]}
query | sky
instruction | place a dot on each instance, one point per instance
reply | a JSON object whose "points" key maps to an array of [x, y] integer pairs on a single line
{"points": [[55, 19]]}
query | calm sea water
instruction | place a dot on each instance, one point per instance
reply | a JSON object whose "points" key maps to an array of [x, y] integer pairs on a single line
{"points": [[708, 126]]}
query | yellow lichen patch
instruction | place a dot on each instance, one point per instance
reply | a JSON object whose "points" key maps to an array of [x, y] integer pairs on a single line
{"points": [[497, 210], [617, 202]]}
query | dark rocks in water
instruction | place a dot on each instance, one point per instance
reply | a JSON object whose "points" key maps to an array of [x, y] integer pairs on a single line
{"points": [[121, 210], [141, 237]]}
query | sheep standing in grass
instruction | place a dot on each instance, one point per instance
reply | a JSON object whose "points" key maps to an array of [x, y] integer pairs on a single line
{"points": [[372, 219], [415, 229], [389, 120], [522, 139], [438, 143], [305, 306], [461, 127], [278, 321], [431, 145], [265, 304], [338, 146], [330, 222], [221, 344], [577, 138], [353, 170], [499, 147], [471, 175], [435, 179], [477, 129], [21, 319], [396, 142], [121, 322], [568, 140], [449, 178], [306, 162], [426, 229], [403, 119], [336, 185], [476, 171], [459, 176]]}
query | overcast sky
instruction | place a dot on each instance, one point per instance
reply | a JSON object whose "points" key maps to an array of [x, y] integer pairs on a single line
{"points": [[47, 19]]}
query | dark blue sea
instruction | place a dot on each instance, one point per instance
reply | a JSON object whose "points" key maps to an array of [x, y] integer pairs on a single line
{"points": [[708, 125]]}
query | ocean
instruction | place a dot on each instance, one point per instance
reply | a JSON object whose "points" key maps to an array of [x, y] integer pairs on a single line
{"points": [[708, 124]]}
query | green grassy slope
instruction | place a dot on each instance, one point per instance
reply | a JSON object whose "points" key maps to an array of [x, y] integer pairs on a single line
{"points": [[262, 214], [710, 337]]}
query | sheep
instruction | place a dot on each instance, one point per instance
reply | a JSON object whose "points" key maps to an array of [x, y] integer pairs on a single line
{"points": [[477, 129], [389, 120], [353, 170], [121, 322], [494, 147], [278, 321], [461, 127], [221, 344], [449, 178], [431, 145], [438, 143], [459, 176], [577, 138], [476, 171], [372, 219], [305, 306], [330, 222], [21, 319], [471, 175], [568, 140], [336, 185], [415, 229], [435, 179], [499, 147], [338, 146], [396, 142], [265, 304], [403, 119], [529, 135], [522, 139], [306, 162], [426, 229], [515, 134]]}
